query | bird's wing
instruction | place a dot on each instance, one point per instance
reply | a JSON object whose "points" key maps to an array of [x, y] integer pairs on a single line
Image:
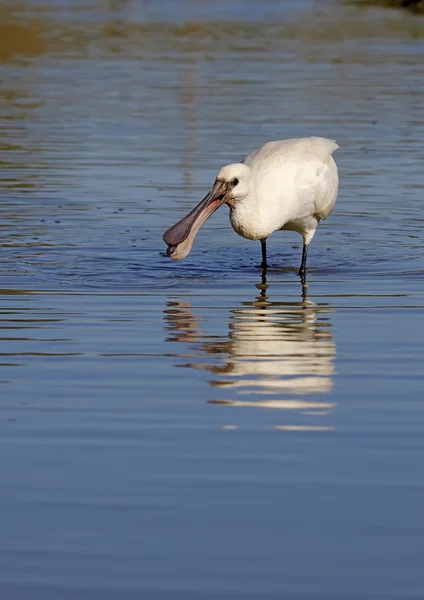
{"points": [[304, 166], [326, 176]]}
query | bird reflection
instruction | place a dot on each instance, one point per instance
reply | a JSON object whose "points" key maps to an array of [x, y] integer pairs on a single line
{"points": [[273, 350]]}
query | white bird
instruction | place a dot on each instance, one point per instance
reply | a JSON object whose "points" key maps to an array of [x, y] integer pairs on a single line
{"points": [[287, 184]]}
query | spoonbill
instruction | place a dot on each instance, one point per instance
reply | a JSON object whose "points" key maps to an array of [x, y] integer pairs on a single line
{"points": [[286, 184]]}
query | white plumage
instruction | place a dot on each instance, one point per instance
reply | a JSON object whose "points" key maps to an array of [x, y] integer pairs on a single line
{"points": [[288, 184]]}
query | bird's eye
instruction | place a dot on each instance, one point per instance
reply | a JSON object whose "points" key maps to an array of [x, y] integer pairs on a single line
{"points": [[234, 181]]}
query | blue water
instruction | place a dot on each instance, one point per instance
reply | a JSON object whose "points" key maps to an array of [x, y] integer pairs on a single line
{"points": [[192, 430]]}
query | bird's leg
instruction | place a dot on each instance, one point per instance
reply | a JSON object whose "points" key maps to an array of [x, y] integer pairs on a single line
{"points": [[304, 288], [263, 248], [302, 270], [263, 286]]}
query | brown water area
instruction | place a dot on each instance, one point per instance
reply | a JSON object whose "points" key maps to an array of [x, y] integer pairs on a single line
{"points": [[203, 430], [413, 5]]}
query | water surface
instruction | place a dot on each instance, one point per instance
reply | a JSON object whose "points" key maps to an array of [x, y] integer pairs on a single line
{"points": [[195, 430]]}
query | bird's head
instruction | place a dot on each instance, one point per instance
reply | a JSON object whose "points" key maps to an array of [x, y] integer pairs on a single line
{"points": [[237, 179], [231, 185]]}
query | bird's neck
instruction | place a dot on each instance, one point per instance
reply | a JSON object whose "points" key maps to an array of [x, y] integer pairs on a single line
{"points": [[248, 217], [251, 201]]}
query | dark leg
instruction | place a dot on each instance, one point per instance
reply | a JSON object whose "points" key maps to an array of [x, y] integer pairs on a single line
{"points": [[263, 286], [302, 270], [304, 289], [263, 248]]}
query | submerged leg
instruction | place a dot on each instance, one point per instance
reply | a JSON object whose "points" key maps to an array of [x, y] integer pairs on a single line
{"points": [[308, 233], [263, 248], [302, 270]]}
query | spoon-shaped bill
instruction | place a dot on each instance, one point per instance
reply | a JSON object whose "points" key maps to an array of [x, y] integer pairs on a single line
{"points": [[180, 237]]}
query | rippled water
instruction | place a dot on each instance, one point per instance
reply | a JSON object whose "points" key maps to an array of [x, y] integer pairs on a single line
{"points": [[196, 430]]}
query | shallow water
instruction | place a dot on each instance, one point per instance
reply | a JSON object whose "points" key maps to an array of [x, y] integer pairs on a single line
{"points": [[191, 430]]}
